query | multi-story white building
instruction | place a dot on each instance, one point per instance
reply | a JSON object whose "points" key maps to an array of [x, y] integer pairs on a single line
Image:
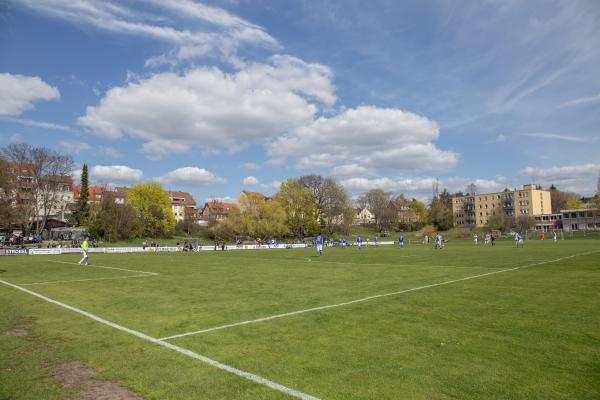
{"points": [[180, 202], [54, 201]]}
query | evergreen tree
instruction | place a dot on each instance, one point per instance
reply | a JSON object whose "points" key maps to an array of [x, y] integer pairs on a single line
{"points": [[82, 209], [440, 210]]}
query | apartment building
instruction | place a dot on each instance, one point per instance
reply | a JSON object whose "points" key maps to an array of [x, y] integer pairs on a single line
{"points": [[583, 219], [180, 202], [548, 222], [215, 211], [476, 210], [46, 197], [95, 193], [54, 202]]}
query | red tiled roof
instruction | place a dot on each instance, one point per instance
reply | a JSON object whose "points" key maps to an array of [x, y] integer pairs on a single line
{"points": [[176, 197]]}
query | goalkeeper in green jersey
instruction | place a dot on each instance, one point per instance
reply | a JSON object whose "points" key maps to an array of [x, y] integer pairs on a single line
{"points": [[85, 247]]}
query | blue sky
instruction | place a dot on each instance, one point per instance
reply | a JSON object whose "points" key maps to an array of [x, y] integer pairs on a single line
{"points": [[218, 96]]}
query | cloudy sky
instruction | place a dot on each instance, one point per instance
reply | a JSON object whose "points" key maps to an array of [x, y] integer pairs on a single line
{"points": [[218, 96]]}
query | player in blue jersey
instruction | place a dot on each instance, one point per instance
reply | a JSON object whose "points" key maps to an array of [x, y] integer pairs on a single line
{"points": [[401, 241], [319, 243], [518, 240], [359, 242], [438, 241], [376, 240]]}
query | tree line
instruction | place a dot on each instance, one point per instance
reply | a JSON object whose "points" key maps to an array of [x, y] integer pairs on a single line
{"points": [[146, 213], [302, 207], [313, 204]]}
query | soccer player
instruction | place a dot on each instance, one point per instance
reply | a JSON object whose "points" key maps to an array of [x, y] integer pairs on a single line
{"points": [[542, 235], [518, 240], [85, 246], [554, 236], [359, 242], [475, 239], [376, 240], [401, 241], [319, 243]]}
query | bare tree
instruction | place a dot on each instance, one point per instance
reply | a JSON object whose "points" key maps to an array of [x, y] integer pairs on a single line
{"points": [[335, 204], [435, 188], [471, 189], [330, 198], [524, 222], [8, 214], [316, 184], [378, 202], [597, 200], [42, 176], [559, 199]]}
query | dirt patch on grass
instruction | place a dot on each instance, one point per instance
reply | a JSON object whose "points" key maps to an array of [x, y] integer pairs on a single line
{"points": [[75, 375], [21, 329]]}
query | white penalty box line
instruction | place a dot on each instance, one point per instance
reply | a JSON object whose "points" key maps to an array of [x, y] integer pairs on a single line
{"points": [[102, 266], [364, 299], [86, 280], [140, 274], [240, 373]]}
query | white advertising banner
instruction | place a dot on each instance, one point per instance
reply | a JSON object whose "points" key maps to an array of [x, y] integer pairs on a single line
{"points": [[45, 251], [121, 250]]}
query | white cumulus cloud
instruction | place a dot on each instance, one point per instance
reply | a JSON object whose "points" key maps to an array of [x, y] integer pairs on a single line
{"points": [[115, 174], [207, 108], [350, 170], [420, 187], [251, 166], [367, 136], [190, 176], [221, 199], [579, 178], [73, 147], [250, 180], [18, 93]]}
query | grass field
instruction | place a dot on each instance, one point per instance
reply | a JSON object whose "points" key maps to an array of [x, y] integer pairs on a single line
{"points": [[464, 322]]}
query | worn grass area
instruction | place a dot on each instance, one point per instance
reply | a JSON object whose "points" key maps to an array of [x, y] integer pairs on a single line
{"points": [[527, 333]]}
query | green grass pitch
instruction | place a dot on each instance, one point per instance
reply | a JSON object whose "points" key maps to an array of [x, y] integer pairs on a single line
{"points": [[464, 322]]}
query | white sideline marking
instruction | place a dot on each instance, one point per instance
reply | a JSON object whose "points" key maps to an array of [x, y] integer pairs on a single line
{"points": [[101, 266], [85, 280], [346, 303], [247, 375], [384, 264]]}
